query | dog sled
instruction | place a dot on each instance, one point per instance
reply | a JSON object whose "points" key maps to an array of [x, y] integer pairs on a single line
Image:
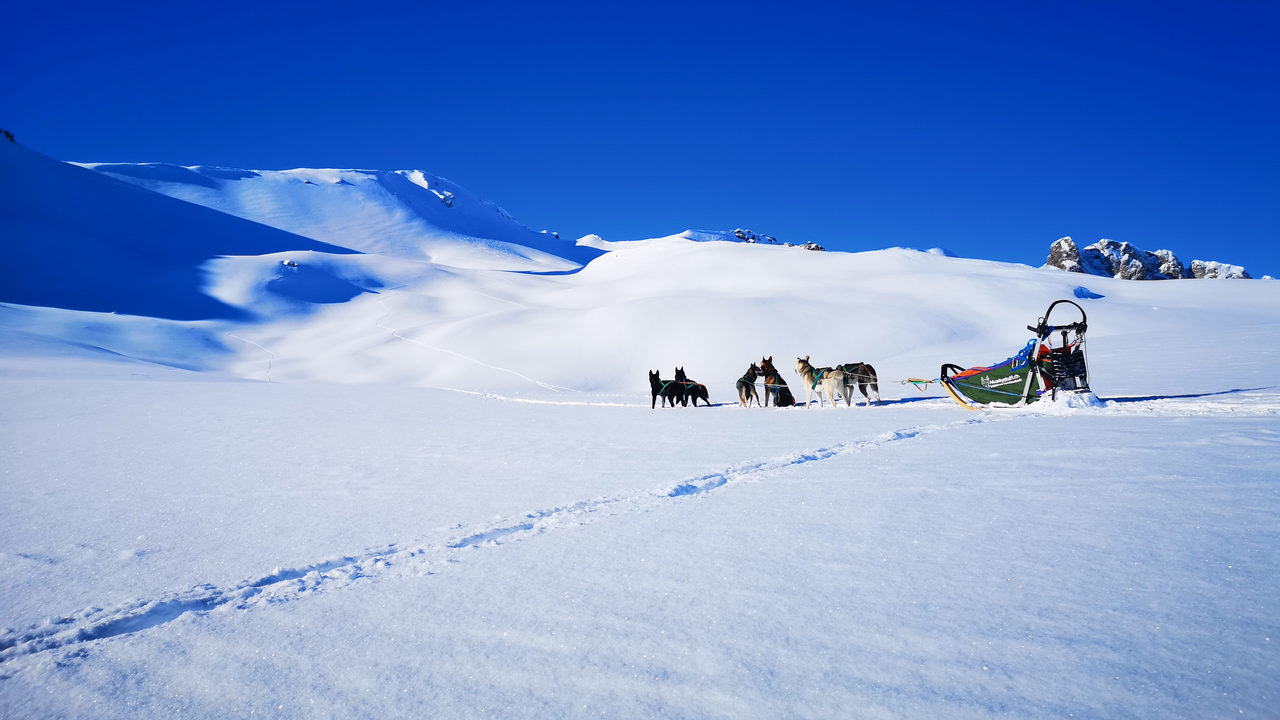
{"points": [[1052, 362]]}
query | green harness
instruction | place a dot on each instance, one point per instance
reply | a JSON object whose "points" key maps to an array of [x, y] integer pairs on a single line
{"points": [[817, 375]]}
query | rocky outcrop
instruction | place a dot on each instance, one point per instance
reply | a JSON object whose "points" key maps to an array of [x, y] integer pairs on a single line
{"points": [[1125, 262], [1064, 255], [750, 237], [1210, 270], [1170, 266], [1120, 260]]}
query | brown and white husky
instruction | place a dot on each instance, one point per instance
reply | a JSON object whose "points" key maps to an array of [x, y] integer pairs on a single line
{"points": [[829, 379]]}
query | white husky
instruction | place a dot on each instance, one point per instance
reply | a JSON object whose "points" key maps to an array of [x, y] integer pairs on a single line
{"points": [[830, 379]]}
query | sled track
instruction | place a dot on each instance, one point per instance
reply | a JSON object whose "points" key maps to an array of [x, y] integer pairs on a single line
{"points": [[60, 636]]}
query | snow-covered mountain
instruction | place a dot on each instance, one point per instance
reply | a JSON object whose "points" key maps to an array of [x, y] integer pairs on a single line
{"points": [[1108, 258], [407, 213], [424, 293], [77, 239]]}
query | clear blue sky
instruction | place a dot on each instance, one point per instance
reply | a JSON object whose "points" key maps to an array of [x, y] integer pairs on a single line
{"points": [[988, 128]]}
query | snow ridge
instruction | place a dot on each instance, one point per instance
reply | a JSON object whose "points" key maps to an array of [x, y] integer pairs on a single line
{"points": [[409, 214]]}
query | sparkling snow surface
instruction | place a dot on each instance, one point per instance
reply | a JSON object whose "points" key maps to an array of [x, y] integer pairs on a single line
{"points": [[173, 544], [401, 488]]}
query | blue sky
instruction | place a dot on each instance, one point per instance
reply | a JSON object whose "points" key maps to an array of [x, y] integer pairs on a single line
{"points": [[988, 128]]}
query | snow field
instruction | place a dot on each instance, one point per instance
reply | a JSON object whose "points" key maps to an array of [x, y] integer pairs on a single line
{"points": [[1103, 563], [138, 482]]}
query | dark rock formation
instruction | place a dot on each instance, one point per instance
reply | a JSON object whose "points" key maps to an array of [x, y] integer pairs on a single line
{"points": [[1108, 258], [1170, 266], [748, 236], [1064, 255], [1218, 271], [1126, 262]]}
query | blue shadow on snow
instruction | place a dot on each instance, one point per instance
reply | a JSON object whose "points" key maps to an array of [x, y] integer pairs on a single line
{"points": [[1181, 397]]}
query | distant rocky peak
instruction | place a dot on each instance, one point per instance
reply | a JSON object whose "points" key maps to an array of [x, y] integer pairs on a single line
{"points": [[1120, 260], [750, 237], [1064, 255], [1210, 270], [1125, 262], [1170, 266]]}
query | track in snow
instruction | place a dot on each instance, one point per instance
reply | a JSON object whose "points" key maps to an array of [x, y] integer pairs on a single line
{"points": [[421, 558], [269, 360], [412, 559]]}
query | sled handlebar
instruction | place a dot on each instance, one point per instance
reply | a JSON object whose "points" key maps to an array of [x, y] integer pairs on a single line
{"points": [[1043, 329]]}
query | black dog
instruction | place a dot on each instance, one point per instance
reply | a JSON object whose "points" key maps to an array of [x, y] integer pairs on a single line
{"points": [[668, 390], [860, 376], [692, 390]]}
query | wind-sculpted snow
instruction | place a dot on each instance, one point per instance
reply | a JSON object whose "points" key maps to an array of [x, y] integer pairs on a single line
{"points": [[407, 213], [77, 239]]}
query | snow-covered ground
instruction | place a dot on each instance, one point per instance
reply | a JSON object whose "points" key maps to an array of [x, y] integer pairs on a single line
{"points": [[381, 484]]}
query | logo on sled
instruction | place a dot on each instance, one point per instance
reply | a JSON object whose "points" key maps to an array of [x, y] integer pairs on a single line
{"points": [[1012, 379]]}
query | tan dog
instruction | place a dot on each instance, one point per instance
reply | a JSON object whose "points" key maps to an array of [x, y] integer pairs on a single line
{"points": [[831, 380]]}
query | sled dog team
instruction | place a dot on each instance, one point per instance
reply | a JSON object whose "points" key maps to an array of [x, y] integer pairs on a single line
{"points": [[836, 382]]}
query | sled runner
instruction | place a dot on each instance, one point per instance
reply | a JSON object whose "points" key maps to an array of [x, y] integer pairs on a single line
{"points": [[1039, 368]]}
